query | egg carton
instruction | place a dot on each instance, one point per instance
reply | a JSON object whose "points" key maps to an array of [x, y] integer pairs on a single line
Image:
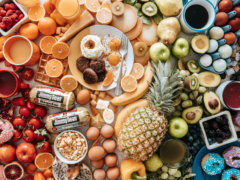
{"points": [[42, 77]]}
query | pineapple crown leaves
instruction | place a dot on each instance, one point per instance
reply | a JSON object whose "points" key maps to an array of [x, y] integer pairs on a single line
{"points": [[166, 88]]}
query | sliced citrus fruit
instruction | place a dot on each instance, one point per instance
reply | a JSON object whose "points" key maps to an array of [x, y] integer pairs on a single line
{"points": [[46, 44], [68, 83], [104, 16], [35, 13], [54, 68], [109, 78], [44, 160], [137, 71], [13, 170], [60, 50], [129, 83], [92, 5], [114, 59]]}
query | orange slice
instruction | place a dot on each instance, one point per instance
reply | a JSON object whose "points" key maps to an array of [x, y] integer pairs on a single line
{"points": [[104, 16], [114, 59], [137, 71], [129, 83], [46, 44], [109, 78], [54, 68], [60, 50], [92, 5], [35, 13], [68, 83], [44, 160]]}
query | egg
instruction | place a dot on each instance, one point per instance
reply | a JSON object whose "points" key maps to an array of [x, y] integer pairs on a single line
{"points": [[83, 97], [114, 44], [107, 131], [109, 145], [220, 65], [111, 160], [92, 133], [216, 33], [97, 164], [225, 51], [113, 173], [99, 174], [96, 153], [213, 46], [206, 60]]}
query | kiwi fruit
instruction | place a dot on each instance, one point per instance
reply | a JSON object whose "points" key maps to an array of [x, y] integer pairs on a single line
{"points": [[193, 66], [140, 48], [191, 82], [149, 9], [117, 8], [180, 64]]}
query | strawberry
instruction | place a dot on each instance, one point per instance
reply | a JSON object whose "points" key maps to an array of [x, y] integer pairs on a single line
{"points": [[30, 105], [8, 22], [40, 134], [3, 12], [20, 16], [44, 146], [20, 101], [7, 6], [27, 74], [13, 6], [9, 12], [24, 86], [25, 92], [2, 26], [14, 17], [18, 12], [1, 8], [17, 69]]}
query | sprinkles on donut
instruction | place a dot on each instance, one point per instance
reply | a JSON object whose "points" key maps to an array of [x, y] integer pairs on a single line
{"points": [[231, 174], [232, 156]]}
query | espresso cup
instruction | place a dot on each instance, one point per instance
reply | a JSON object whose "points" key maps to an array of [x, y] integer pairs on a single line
{"points": [[208, 6]]}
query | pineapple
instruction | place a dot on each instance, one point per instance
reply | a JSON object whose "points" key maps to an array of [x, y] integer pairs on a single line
{"points": [[145, 128]]}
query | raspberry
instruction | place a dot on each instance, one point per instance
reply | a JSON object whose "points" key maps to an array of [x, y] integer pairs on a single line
{"points": [[14, 17], [2, 26], [3, 12], [1, 18], [20, 16], [7, 6], [9, 12], [18, 12], [13, 6]]}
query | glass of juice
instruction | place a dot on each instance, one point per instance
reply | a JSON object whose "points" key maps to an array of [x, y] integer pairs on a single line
{"points": [[174, 153], [69, 9]]}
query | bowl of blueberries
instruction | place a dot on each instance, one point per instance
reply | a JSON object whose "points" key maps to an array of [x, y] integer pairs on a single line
{"points": [[218, 130]]}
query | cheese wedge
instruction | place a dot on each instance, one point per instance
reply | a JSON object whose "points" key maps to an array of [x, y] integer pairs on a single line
{"points": [[84, 20]]}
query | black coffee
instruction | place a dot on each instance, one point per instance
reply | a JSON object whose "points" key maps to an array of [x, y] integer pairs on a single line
{"points": [[196, 16]]}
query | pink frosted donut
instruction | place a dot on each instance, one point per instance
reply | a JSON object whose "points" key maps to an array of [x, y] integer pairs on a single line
{"points": [[6, 131], [232, 156]]}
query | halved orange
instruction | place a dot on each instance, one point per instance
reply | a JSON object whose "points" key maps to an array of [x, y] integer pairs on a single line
{"points": [[60, 50], [54, 68], [44, 160], [46, 44], [104, 16], [137, 71], [92, 5], [109, 78], [129, 83], [35, 13], [68, 83]]}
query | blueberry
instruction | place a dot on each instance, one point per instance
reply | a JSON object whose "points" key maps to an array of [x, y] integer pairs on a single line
{"points": [[211, 133], [195, 136], [190, 138], [195, 144]]}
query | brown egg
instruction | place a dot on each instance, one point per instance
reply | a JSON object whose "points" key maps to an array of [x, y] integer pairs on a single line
{"points": [[230, 38], [97, 164], [99, 174], [109, 145], [107, 131], [92, 133], [221, 19], [111, 160], [96, 153], [83, 97], [113, 173]]}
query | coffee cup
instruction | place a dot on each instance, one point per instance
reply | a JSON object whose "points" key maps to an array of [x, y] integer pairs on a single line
{"points": [[197, 16]]}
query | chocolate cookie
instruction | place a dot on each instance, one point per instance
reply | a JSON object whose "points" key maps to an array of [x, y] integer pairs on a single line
{"points": [[82, 63], [90, 76], [97, 65]]}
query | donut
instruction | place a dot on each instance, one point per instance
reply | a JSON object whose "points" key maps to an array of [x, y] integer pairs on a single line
{"points": [[230, 174], [212, 164], [7, 131], [232, 156]]}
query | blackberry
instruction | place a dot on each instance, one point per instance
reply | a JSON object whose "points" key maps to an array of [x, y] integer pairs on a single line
{"points": [[215, 125], [219, 139]]}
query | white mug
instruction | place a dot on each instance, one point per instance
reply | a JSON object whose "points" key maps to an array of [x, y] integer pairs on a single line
{"points": [[211, 16]]}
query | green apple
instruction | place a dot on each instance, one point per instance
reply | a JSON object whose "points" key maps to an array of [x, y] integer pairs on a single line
{"points": [[181, 48], [159, 51], [178, 127]]}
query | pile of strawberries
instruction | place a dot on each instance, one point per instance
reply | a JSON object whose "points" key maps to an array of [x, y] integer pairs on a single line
{"points": [[10, 14]]}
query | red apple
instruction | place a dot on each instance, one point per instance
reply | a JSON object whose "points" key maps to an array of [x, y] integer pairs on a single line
{"points": [[26, 152], [7, 153]]}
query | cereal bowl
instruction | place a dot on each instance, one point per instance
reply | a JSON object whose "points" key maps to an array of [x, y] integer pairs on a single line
{"points": [[71, 147]]}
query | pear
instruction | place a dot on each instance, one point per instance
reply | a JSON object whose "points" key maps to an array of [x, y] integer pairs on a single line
{"points": [[153, 163], [170, 7]]}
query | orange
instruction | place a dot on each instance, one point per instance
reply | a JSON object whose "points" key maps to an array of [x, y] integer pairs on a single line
{"points": [[109, 78], [47, 26], [28, 3], [39, 176], [54, 68], [104, 16], [129, 83], [137, 71], [2, 41], [44, 160], [35, 56], [31, 168], [7, 64], [46, 44], [35, 13], [48, 173], [49, 7], [92, 5], [114, 59], [68, 83], [60, 50], [29, 30]]}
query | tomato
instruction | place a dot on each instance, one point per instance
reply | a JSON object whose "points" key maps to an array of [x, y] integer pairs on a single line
{"points": [[30, 105], [26, 152], [24, 111], [29, 177], [28, 135], [31, 168], [237, 9], [39, 134], [19, 123], [225, 5], [39, 176], [27, 74], [48, 173], [7, 153], [40, 111], [44, 146], [34, 123], [17, 135]]}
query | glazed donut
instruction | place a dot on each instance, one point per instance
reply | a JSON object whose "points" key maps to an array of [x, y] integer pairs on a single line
{"points": [[231, 174], [212, 164], [232, 156], [6, 131]]}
